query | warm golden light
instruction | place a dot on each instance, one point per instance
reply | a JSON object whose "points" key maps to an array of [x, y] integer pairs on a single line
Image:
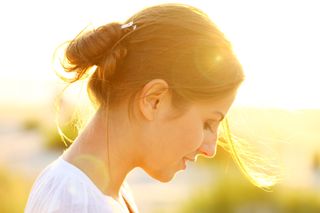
{"points": [[276, 42]]}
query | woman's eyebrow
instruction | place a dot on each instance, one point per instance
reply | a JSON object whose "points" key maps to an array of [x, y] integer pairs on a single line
{"points": [[220, 113]]}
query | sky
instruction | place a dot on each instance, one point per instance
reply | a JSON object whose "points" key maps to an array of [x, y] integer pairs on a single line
{"points": [[277, 43]]}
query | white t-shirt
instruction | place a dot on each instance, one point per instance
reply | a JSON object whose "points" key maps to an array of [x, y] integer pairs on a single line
{"points": [[63, 188]]}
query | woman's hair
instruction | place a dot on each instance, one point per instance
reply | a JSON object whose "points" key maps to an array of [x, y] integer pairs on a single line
{"points": [[174, 42]]}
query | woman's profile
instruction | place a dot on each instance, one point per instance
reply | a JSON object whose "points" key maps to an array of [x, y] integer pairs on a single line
{"points": [[163, 82]]}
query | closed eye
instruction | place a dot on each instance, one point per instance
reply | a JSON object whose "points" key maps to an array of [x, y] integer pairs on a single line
{"points": [[207, 126], [212, 125]]}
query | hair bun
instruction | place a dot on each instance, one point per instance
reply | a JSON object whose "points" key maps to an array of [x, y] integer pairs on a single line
{"points": [[91, 48]]}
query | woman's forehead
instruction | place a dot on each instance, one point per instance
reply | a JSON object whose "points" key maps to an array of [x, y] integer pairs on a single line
{"points": [[218, 107]]}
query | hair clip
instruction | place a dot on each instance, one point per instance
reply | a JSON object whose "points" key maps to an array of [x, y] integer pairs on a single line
{"points": [[128, 25]]}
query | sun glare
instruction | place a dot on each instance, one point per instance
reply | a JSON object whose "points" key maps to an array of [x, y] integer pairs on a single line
{"points": [[276, 42]]}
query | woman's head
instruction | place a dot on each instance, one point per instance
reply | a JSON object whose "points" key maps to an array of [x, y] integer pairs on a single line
{"points": [[168, 137], [174, 42], [177, 49]]}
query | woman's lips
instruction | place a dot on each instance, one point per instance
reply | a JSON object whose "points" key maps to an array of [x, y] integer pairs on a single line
{"points": [[189, 159], [185, 162]]}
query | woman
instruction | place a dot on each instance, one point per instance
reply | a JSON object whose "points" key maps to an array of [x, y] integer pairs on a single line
{"points": [[170, 68]]}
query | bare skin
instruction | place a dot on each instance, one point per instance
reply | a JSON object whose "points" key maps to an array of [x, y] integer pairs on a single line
{"points": [[143, 143], [89, 153]]}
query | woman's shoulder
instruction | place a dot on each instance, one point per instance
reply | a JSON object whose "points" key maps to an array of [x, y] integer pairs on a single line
{"points": [[58, 174], [62, 187]]}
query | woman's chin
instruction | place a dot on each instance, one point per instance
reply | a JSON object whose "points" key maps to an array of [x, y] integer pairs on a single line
{"points": [[163, 176]]}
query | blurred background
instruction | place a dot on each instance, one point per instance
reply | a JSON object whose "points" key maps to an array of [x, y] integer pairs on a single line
{"points": [[277, 107]]}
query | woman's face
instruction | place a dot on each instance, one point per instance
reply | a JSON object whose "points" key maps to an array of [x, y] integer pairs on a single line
{"points": [[193, 133]]}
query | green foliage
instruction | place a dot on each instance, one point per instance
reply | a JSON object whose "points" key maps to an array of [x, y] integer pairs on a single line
{"points": [[14, 192], [55, 141], [31, 124], [233, 193], [50, 133]]}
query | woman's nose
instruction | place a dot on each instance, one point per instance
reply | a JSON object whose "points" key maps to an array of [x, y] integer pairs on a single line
{"points": [[209, 145]]}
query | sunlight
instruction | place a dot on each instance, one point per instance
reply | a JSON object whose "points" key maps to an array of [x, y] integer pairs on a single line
{"points": [[278, 50], [276, 42], [274, 123]]}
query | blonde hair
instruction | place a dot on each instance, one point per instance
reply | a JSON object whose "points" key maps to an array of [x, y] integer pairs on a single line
{"points": [[175, 42]]}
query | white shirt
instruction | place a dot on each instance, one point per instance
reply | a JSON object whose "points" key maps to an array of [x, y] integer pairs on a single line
{"points": [[63, 188]]}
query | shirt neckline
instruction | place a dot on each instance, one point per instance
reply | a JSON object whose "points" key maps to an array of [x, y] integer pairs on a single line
{"points": [[75, 170]]}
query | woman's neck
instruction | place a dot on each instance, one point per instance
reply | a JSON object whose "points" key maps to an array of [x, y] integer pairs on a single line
{"points": [[90, 150]]}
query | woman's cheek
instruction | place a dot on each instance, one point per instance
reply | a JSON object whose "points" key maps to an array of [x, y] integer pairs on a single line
{"points": [[197, 139]]}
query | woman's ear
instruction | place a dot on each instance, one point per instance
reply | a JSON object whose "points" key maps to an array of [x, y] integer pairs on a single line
{"points": [[152, 97]]}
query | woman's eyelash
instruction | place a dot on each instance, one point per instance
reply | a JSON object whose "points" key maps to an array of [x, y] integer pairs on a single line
{"points": [[208, 125]]}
